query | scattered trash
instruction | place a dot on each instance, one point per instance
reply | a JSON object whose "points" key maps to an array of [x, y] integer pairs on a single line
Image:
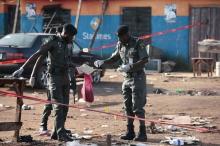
{"points": [[26, 138], [104, 126], [27, 107], [82, 110], [2, 105], [179, 90], [87, 131], [83, 115], [77, 143], [177, 142], [185, 120], [158, 91], [106, 109], [181, 140], [138, 144], [5, 106]]}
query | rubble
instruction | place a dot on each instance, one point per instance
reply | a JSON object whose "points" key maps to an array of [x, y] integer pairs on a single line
{"points": [[158, 91], [26, 138], [189, 140], [77, 143]]}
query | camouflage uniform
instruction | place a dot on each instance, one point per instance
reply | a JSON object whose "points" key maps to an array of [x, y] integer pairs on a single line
{"points": [[58, 81], [134, 85]]}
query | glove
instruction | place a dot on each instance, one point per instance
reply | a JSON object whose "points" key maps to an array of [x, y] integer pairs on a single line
{"points": [[124, 68], [18, 72], [32, 81], [98, 63]]}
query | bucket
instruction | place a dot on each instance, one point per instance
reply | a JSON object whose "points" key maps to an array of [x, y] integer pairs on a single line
{"points": [[217, 69]]}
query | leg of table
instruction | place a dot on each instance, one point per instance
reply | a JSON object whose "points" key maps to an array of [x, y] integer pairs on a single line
{"points": [[19, 91], [193, 65]]}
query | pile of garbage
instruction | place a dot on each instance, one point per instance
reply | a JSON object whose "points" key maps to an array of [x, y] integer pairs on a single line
{"points": [[181, 92]]}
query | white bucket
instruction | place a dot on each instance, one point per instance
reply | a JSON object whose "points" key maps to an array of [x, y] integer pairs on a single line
{"points": [[217, 69]]}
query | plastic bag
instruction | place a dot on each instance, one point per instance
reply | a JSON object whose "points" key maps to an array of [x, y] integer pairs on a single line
{"points": [[87, 89]]}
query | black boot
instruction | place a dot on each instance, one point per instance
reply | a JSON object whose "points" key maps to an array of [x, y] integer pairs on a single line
{"points": [[142, 136], [130, 135]]}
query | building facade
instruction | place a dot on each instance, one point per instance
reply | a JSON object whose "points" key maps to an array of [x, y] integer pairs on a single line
{"points": [[143, 16]]}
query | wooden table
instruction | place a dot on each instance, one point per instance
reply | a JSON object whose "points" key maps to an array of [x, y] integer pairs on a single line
{"points": [[14, 126], [196, 64]]}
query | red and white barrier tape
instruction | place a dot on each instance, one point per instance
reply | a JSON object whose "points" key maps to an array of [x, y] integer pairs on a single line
{"points": [[108, 113], [154, 34]]}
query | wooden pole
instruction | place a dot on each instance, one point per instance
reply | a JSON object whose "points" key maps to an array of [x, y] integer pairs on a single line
{"points": [[16, 16], [104, 8], [78, 13]]}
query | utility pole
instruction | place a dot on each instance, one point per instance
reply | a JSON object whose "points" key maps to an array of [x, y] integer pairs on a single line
{"points": [[104, 8], [16, 15], [78, 13]]}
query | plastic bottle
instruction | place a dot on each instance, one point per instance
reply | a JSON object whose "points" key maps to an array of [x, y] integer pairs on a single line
{"points": [[177, 142]]}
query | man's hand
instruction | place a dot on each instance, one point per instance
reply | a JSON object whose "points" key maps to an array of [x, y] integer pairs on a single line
{"points": [[98, 63], [18, 72], [32, 81], [124, 68]]}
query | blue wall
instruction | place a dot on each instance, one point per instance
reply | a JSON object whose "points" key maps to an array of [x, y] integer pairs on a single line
{"points": [[31, 25], [106, 34], [174, 45], [2, 24]]}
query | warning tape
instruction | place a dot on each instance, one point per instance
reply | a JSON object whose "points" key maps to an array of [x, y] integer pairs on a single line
{"points": [[13, 61], [154, 34], [109, 113]]}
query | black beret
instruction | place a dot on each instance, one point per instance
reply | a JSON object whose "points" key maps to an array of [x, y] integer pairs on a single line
{"points": [[70, 29], [123, 29]]}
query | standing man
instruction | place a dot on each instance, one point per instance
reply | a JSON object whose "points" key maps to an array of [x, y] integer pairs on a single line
{"points": [[133, 55], [57, 49]]}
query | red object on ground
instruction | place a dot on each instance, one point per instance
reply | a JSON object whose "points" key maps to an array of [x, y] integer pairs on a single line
{"points": [[87, 89]]}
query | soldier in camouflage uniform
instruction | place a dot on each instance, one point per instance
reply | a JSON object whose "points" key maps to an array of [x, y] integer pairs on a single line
{"points": [[57, 49], [133, 55]]}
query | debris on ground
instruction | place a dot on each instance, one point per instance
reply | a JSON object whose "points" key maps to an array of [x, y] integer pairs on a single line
{"points": [[189, 140], [79, 137], [168, 66], [180, 120], [27, 107], [104, 126], [87, 131], [193, 92], [158, 91], [26, 138], [77, 143]]}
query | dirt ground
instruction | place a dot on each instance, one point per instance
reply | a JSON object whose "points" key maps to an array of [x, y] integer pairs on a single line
{"points": [[108, 98]]}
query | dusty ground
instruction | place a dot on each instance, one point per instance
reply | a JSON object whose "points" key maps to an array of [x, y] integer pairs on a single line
{"points": [[108, 99]]}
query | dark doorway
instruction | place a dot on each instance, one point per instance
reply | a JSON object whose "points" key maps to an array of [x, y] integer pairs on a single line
{"points": [[54, 17], [10, 19], [209, 31], [138, 19]]}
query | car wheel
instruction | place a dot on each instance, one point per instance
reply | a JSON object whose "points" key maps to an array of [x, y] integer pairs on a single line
{"points": [[96, 77], [41, 81]]}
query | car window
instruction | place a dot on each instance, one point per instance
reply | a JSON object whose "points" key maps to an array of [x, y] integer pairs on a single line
{"points": [[18, 40]]}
